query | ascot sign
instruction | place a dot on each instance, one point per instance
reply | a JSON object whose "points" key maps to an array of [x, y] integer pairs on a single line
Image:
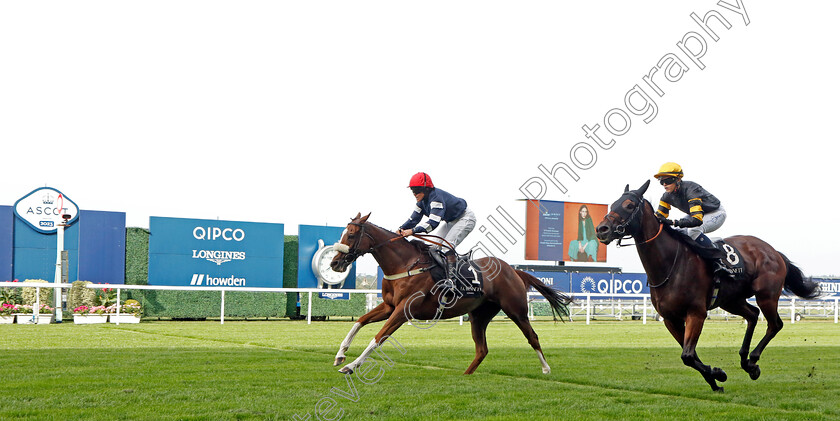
{"points": [[43, 209]]}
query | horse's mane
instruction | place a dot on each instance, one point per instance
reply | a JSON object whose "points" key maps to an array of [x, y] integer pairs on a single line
{"points": [[421, 246]]}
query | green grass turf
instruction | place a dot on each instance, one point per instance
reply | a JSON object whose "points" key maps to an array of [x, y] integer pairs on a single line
{"points": [[277, 369]]}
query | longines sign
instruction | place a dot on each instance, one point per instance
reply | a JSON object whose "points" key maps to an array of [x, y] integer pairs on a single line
{"points": [[43, 209], [202, 252]]}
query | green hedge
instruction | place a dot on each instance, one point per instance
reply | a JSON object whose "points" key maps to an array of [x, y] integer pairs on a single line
{"points": [[203, 304], [290, 272]]}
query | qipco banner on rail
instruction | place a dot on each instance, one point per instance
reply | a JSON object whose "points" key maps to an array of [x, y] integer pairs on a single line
{"points": [[595, 283], [610, 283], [202, 252]]}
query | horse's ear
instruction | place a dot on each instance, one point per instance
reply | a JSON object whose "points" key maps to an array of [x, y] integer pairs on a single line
{"points": [[365, 218], [644, 188], [627, 188], [358, 215]]}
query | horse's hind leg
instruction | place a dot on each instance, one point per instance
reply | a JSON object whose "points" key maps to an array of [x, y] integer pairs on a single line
{"points": [[479, 319], [380, 312], [519, 315], [769, 305], [750, 314], [693, 327]]}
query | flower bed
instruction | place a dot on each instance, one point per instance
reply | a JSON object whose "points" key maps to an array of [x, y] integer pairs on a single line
{"points": [[90, 315]]}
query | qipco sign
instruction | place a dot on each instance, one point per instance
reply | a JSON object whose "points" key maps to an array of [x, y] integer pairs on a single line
{"points": [[214, 253], [45, 209]]}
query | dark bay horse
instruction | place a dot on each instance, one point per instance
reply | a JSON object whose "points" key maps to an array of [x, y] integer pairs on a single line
{"points": [[409, 292], [682, 282]]}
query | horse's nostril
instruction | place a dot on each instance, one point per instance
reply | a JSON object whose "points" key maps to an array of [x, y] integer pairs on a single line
{"points": [[603, 229]]}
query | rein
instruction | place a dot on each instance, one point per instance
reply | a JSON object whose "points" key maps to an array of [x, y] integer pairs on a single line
{"points": [[622, 228], [673, 265], [354, 253], [443, 243], [643, 242]]}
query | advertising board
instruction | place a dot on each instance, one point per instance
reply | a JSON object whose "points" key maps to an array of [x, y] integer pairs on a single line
{"points": [[202, 252]]}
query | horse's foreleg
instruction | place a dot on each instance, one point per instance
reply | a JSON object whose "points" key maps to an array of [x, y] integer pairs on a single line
{"points": [[345, 344], [693, 327], [395, 320], [380, 312], [750, 314]]}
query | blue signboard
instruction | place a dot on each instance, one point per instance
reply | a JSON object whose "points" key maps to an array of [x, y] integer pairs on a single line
{"points": [[202, 252], [609, 283], [7, 242], [550, 243], [595, 283], [95, 247], [557, 280], [310, 239], [102, 247], [829, 287]]}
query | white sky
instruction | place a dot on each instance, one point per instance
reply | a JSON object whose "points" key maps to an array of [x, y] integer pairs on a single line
{"points": [[309, 112]]}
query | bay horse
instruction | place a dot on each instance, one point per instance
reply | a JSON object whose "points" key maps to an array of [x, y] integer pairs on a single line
{"points": [[409, 292], [682, 282]]}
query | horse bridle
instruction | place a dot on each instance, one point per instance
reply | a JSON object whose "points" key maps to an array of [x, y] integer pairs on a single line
{"points": [[621, 228], [353, 252]]}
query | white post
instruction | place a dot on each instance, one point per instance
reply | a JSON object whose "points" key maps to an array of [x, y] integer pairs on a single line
{"points": [[835, 309], [461, 320], [588, 304], [36, 312], [59, 231], [223, 307], [530, 309], [118, 306], [644, 310], [309, 310], [792, 310]]}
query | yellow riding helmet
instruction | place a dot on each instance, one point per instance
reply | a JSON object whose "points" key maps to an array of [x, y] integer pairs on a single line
{"points": [[669, 169]]}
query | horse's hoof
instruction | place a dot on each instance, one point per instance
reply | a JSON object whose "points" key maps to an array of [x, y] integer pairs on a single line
{"points": [[718, 390], [755, 373], [719, 374], [547, 371], [338, 361], [345, 370]]}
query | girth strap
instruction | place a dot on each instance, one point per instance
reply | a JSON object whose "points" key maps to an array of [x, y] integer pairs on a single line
{"points": [[715, 292], [406, 274]]}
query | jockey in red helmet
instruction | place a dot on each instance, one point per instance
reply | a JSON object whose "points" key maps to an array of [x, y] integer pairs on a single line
{"points": [[438, 205]]}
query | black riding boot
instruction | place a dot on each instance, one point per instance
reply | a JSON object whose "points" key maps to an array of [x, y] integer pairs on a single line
{"points": [[451, 264]]}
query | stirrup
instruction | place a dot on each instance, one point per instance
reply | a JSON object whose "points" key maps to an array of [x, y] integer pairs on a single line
{"points": [[721, 270]]}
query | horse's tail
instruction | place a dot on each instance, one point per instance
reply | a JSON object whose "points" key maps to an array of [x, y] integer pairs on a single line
{"points": [[559, 302], [797, 283]]}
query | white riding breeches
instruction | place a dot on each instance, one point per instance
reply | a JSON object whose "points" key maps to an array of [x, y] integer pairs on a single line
{"points": [[456, 230], [711, 221]]}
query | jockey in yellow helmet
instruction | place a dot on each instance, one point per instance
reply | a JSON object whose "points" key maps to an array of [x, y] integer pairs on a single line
{"points": [[704, 211]]}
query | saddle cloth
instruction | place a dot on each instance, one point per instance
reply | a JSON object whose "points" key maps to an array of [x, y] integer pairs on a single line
{"points": [[469, 281], [722, 250], [732, 258]]}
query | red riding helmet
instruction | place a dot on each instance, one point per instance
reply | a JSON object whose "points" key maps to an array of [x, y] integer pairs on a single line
{"points": [[421, 179]]}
